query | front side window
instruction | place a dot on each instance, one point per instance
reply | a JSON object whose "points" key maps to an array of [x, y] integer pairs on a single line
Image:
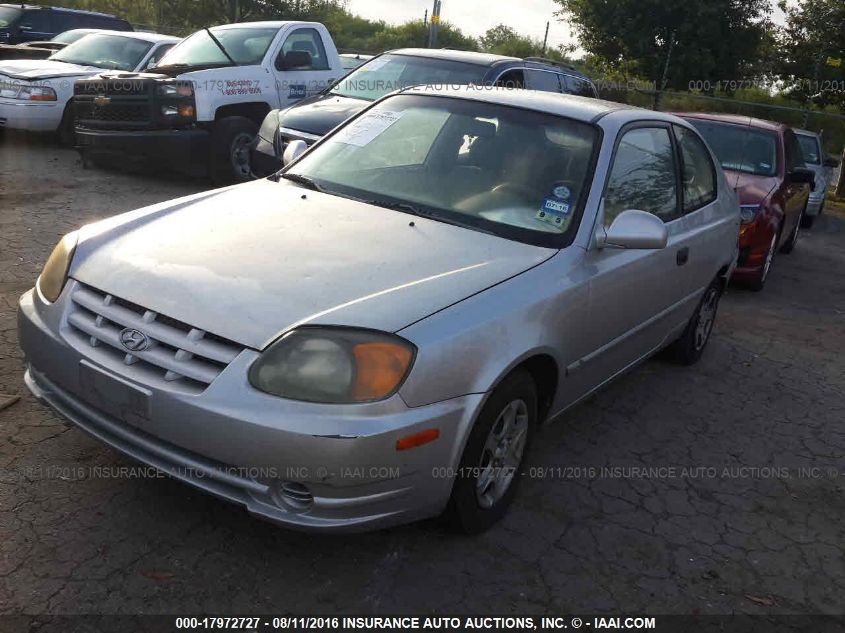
{"points": [[307, 41], [810, 149], [246, 46], [740, 147], [390, 72], [105, 51], [541, 80], [643, 175], [8, 16], [698, 176], [520, 174]]}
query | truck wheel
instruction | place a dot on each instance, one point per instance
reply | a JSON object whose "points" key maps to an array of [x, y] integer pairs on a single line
{"points": [[490, 466], [230, 141]]}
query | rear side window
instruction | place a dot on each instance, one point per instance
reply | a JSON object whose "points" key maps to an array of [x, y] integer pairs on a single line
{"points": [[643, 175], [698, 175], [542, 80], [511, 79], [794, 156], [578, 86], [309, 41]]}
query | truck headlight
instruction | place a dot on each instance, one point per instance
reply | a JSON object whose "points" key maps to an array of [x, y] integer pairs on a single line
{"points": [[176, 89], [53, 277], [333, 365], [36, 93]]}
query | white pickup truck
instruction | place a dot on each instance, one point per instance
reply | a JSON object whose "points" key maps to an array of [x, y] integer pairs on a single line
{"points": [[201, 106]]}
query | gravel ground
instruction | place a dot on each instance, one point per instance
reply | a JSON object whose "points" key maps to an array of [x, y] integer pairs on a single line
{"points": [[760, 533]]}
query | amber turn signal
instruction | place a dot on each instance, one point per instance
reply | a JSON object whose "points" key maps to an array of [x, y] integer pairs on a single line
{"points": [[417, 439], [381, 366]]}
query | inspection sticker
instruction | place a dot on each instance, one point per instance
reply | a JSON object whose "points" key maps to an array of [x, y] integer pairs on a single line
{"points": [[367, 127], [554, 212]]}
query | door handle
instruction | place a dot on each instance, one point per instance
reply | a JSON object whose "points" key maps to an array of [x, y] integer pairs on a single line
{"points": [[682, 256]]}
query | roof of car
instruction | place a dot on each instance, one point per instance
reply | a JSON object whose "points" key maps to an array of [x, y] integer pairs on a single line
{"points": [[484, 59], [138, 35], [63, 9], [735, 119], [265, 24], [585, 109]]}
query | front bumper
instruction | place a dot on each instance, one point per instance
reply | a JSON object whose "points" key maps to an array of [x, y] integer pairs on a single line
{"points": [[187, 149], [30, 116], [251, 448]]}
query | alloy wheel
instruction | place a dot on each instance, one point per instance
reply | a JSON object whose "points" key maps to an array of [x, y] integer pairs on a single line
{"points": [[769, 257], [239, 155], [706, 318], [502, 453]]}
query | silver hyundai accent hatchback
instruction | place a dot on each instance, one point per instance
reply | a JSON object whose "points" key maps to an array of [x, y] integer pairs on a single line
{"points": [[373, 335]]}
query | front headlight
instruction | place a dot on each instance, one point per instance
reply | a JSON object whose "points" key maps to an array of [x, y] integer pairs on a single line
{"points": [[53, 277], [333, 365], [176, 89], [747, 212], [36, 93]]}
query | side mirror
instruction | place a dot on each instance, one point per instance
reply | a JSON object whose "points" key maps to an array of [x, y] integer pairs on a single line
{"points": [[637, 229], [294, 59], [833, 163], [802, 176], [294, 150]]}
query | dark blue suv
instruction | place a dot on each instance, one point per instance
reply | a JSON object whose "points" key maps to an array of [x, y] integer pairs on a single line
{"points": [[31, 23], [312, 117]]}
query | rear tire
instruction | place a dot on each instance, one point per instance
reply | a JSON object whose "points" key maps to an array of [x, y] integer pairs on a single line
{"points": [[230, 141], [489, 471], [689, 348]]}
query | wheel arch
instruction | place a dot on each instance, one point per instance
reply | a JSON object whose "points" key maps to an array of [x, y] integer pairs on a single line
{"points": [[255, 111]]}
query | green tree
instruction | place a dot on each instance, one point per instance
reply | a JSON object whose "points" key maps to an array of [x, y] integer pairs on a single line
{"points": [[812, 42], [710, 40]]}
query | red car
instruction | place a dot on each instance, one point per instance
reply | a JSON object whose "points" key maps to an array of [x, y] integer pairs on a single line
{"points": [[764, 163]]}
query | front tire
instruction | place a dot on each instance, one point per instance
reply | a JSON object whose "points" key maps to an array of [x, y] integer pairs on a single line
{"points": [[489, 470], [230, 141], [688, 349]]}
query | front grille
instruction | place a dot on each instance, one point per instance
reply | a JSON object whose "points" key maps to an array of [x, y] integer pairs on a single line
{"points": [[177, 353], [113, 112]]}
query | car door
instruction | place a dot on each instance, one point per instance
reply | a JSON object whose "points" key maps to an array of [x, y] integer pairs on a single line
{"points": [[36, 25], [634, 293], [795, 194], [308, 79], [708, 221]]}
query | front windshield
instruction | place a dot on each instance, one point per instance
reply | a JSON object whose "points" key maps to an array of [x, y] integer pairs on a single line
{"points": [[105, 51], [8, 15], [810, 149], [517, 173], [246, 46], [387, 73], [69, 37], [740, 148]]}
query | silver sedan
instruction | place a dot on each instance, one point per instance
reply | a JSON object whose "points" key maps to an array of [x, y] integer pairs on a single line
{"points": [[375, 334]]}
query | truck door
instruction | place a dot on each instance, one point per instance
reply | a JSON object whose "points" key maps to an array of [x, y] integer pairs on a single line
{"points": [[307, 70]]}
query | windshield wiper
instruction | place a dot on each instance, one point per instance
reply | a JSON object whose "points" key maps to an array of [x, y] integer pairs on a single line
{"points": [[299, 179], [413, 209], [220, 46]]}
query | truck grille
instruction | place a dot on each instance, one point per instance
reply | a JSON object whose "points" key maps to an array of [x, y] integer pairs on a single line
{"points": [[177, 353], [88, 111]]}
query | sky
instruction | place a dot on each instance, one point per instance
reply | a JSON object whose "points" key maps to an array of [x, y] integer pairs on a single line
{"points": [[474, 17]]}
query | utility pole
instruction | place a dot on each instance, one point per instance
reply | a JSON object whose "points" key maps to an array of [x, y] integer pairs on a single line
{"points": [[435, 24], [664, 80], [545, 39], [425, 17]]}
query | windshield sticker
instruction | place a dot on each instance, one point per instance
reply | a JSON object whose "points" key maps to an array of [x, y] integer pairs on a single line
{"points": [[562, 192], [554, 212], [364, 129]]}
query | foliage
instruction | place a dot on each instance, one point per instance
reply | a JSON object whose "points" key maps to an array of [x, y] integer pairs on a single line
{"points": [[712, 40]]}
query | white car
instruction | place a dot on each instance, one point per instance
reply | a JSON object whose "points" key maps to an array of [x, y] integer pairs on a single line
{"points": [[34, 93]]}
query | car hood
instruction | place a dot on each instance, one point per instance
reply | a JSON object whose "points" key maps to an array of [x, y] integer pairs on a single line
{"points": [[321, 113], [253, 261], [751, 189], [43, 69]]}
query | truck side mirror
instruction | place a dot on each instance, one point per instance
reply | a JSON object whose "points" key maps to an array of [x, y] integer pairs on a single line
{"points": [[293, 59]]}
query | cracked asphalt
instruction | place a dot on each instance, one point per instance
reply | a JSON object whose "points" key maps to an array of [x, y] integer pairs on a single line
{"points": [[711, 489]]}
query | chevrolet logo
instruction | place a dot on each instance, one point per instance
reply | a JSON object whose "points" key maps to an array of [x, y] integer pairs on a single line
{"points": [[102, 100]]}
